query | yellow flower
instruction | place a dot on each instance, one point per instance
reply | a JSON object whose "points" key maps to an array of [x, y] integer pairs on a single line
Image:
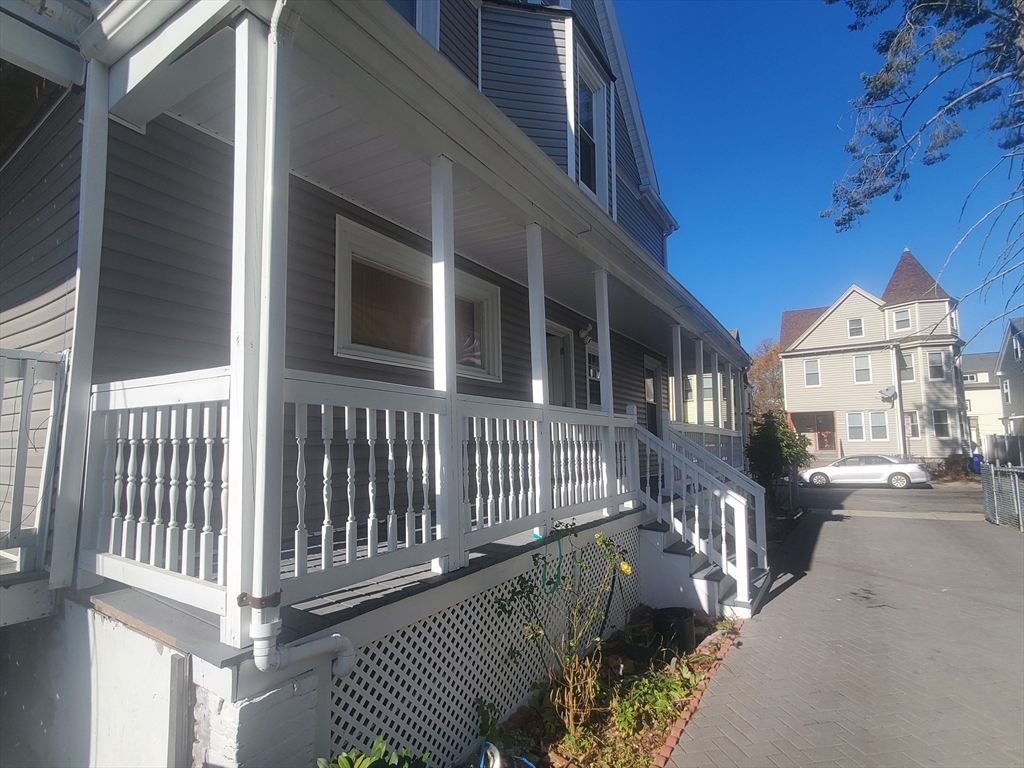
{"points": [[626, 568]]}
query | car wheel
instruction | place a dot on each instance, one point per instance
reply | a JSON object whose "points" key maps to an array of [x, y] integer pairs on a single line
{"points": [[899, 480], [819, 479]]}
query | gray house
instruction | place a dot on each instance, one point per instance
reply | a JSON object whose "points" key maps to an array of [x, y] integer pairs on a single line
{"points": [[309, 311]]}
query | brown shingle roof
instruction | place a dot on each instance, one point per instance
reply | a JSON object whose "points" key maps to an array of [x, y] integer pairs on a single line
{"points": [[911, 282], [795, 322]]}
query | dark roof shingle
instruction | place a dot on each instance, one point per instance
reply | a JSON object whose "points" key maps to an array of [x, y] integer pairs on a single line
{"points": [[794, 323], [911, 282]]}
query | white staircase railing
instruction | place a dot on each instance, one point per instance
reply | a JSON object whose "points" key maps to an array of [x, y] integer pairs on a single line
{"points": [[732, 477], [699, 507]]}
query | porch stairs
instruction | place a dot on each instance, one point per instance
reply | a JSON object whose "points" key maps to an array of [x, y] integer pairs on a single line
{"points": [[687, 542]]}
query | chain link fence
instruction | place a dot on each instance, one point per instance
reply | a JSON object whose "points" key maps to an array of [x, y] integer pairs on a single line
{"points": [[1001, 488]]}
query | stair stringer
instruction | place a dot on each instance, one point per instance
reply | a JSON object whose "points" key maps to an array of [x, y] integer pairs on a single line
{"points": [[665, 579]]}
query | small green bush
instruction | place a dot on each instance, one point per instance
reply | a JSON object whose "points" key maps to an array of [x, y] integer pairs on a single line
{"points": [[378, 757]]}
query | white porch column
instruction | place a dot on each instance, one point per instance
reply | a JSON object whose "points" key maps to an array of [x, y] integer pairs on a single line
{"points": [[246, 269], [678, 403], [91, 203], [266, 582], [539, 367], [604, 351], [698, 384], [716, 391], [447, 470]]}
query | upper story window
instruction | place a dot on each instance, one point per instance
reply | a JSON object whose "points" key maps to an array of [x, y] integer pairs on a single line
{"points": [[1006, 391], [954, 322], [901, 319], [862, 369], [1017, 348], [592, 129], [855, 327], [812, 374], [936, 367], [424, 15], [970, 377], [383, 307], [907, 369]]}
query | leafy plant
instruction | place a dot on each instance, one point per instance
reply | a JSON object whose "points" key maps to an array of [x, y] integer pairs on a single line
{"points": [[560, 614], [774, 449], [377, 757], [648, 700]]}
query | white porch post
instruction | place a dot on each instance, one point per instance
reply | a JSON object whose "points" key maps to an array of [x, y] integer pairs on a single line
{"points": [[91, 203], [246, 266], [448, 474], [604, 351], [266, 623], [678, 403], [698, 383], [539, 368]]}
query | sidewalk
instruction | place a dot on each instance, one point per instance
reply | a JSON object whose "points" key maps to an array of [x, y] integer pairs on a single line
{"points": [[887, 641]]}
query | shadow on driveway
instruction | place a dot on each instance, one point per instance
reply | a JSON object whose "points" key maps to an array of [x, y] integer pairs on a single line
{"points": [[793, 560]]}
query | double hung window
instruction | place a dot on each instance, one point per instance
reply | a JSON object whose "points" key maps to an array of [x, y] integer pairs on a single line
{"points": [[812, 374], [593, 377], [879, 425], [855, 426], [936, 367], [907, 368], [913, 428], [862, 369], [940, 423], [592, 129], [901, 319], [855, 327], [383, 307], [1006, 391]]}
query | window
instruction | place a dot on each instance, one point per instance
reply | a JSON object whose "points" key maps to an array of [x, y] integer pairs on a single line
{"points": [[812, 378], [708, 390], [911, 425], [940, 421], [855, 327], [862, 369], [593, 377], [424, 16], [688, 389], [970, 377], [1006, 391], [967, 405], [383, 307], [592, 129], [954, 322], [1017, 344], [901, 319], [907, 369], [855, 426], [936, 368], [879, 425]]}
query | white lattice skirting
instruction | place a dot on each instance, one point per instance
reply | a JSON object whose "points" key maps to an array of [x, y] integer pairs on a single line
{"points": [[417, 686]]}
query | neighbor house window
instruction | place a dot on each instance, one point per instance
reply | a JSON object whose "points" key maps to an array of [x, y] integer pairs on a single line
{"points": [[901, 319], [688, 389], [593, 376], [383, 307], [855, 426], [812, 377], [592, 130], [936, 368], [708, 390], [967, 405], [855, 327], [1017, 344], [940, 421], [862, 369], [907, 369], [879, 425], [911, 424], [1006, 391], [970, 377]]}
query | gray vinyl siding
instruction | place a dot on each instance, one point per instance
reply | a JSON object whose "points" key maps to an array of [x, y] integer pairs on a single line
{"points": [[459, 33], [638, 223], [39, 191], [586, 17], [832, 329], [523, 65], [933, 317], [165, 279], [625, 159]]}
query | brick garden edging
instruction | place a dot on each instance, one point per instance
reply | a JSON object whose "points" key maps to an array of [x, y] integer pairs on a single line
{"points": [[665, 753]]}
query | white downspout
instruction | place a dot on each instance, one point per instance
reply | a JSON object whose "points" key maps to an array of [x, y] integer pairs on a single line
{"points": [[266, 582]]}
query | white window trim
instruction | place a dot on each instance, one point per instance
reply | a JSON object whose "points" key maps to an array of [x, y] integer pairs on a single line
{"points": [[917, 423], [560, 330], [871, 435], [928, 359], [912, 368], [870, 375], [593, 349], [849, 328], [384, 253], [586, 71], [895, 321], [1006, 392], [863, 433], [970, 377], [949, 426], [812, 386]]}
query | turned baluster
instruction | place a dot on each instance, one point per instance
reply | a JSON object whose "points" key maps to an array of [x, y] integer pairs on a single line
{"points": [[301, 534], [371, 522], [206, 537], [389, 435], [327, 530]]}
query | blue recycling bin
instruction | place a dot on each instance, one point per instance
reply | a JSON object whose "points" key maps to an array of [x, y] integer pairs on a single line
{"points": [[976, 463]]}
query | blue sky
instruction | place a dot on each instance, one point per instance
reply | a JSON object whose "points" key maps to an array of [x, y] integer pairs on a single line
{"points": [[746, 106]]}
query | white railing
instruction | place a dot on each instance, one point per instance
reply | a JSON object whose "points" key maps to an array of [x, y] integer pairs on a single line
{"points": [[734, 478], [703, 510], [31, 397], [726, 444], [361, 476]]}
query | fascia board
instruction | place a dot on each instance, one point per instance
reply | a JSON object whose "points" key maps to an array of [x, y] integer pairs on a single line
{"points": [[391, 72], [828, 312], [39, 53], [122, 25]]}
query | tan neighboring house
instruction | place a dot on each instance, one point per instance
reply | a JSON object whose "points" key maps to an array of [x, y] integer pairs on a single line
{"points": [[983, 401], [1010, 373], [871, 375]]}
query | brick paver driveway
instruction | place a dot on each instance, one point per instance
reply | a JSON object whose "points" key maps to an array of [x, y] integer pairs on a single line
{"points": [[892, 640]]}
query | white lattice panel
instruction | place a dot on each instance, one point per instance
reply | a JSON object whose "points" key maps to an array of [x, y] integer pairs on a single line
{"points": [[417, 686]]}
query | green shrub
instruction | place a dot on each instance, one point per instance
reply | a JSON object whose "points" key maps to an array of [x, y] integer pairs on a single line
{"points": [[378, 757]]}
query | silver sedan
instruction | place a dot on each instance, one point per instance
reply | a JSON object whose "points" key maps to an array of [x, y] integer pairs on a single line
{"points": [[897, 472]]}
